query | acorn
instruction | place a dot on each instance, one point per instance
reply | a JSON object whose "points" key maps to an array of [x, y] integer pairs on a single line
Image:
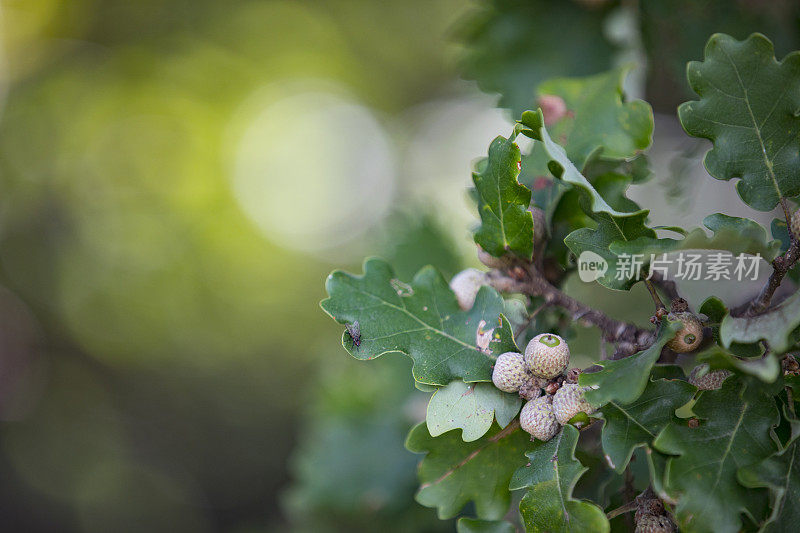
{"points": [[568, 401], [701, 378], [547, 355], [537, 418], [509, 372], [690, 335]]}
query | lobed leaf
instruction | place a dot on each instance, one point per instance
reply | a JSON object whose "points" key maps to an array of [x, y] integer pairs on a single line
{"points": [[624, 380], [749, 108], [454, 473], [734, 432], [532, 123], [780, 473], [774, 326], [506, 223], [598, 117], [629, 426], [550, 478], [731, 234], [420, 319], [470, 407], [505, 56]]}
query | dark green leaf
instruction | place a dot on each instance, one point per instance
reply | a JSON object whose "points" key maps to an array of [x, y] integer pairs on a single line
{"points": [[506, 223], [748, 108], [775, 326], [766, 368], [628, 426], [612, 231], [734, 432], [550, 478], [421, 319], [455, 472], [624, 380], [509, 46], [780, 473], [471, 407], [732, 234]]}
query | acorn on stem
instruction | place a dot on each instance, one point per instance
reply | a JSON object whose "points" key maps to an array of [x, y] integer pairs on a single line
{"points": [[547, 355], [690, 335], [538, 419], [568, 401], [510, 372]]}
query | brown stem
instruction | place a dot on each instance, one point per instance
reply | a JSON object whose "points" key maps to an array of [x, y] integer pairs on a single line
{"points": [[654, 295], [787, 212], [669, 287], [527, 322], [627, 508], [780, 266], [631, 337]]}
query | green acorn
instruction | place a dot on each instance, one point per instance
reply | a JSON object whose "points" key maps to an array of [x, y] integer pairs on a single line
{"points": [[537, 418], [568, 401], [509, 372], [688, 338], [547, 355]]}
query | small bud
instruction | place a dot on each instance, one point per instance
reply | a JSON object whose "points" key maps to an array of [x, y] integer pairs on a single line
{"points": [[693, 423], [553, 108]]}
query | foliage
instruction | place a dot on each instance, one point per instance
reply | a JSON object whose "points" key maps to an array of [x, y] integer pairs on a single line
{"points": [[713, 446]]}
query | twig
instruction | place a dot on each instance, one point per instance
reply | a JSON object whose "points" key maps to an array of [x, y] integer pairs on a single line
{"points": [[669, 287], [787, 212], [627, 508], [631, 337], [780, 266], [654, 295], [527, 323]]}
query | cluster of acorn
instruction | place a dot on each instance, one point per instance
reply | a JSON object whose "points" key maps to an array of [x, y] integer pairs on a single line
{"points": [[541, 369]]}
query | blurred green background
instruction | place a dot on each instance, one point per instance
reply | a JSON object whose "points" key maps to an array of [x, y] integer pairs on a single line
{"points": [[177, 178]]}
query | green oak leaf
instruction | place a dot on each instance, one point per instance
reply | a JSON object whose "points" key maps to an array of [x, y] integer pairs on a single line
{"points": [[611, 231], [775, 326], [475, 525], [731, 234], [766, 368], [471, 407], [599, 117], [748, 109], [455, 472], [550, 478], [504, 55], [532, 125], [629, 426], [780, 473], [624, 380], [420, 319], [734, 432], [506, 223]]}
